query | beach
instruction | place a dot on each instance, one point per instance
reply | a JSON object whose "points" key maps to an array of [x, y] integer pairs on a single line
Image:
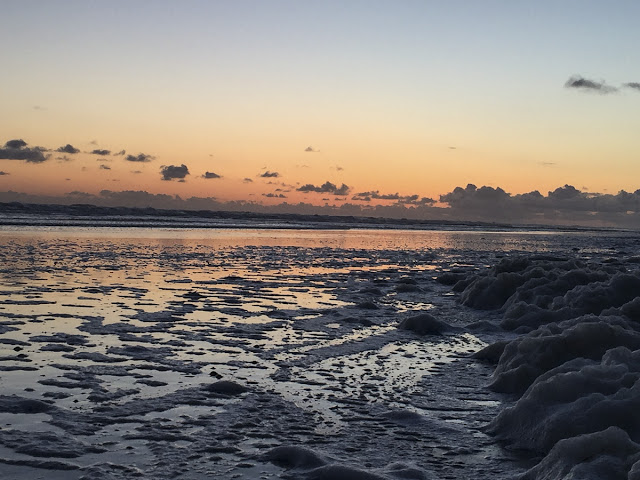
{"points": [[319, 353]]}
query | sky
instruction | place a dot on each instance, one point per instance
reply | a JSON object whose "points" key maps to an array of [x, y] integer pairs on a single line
{"points": [[333, 103]]}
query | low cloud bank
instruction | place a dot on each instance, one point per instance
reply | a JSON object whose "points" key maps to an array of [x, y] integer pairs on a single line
{"points": [[563, 206]]}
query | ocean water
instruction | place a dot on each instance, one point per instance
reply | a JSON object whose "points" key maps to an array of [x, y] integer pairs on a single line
{"points": [[285, 353]]}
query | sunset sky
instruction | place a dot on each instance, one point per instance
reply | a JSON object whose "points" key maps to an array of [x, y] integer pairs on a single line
{"points": [[319, 102]]}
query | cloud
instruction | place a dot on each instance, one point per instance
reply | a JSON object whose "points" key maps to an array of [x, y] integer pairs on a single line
{"points": [[274, 195], [375, 195], [105, 167], [173, 172], [15, 144], [3, 173], [64, 158], [120, 153], [473, 197], [584, 84], [310, 149], [565, 205], [210, 175], [567, 192], [247, 180], [399, 199], [100, 152], [633, 85], [326, 187], [68, 148], [269, 174], [18, 150], [141, 158]]}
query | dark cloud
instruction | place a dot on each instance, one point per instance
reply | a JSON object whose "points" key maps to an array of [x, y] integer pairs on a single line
{"points": [[15, 144], [68, 148], [3, 173], [64, 158], [633, 85], [18, 150], [310, 149], [565, 205], [269, 174], [247, 180], [326, 187], [567, 192], [136, 171], [399, 199], [210, 175], [274, 195], [375, 195], [585, 84], [473, 197], [120, 153], [173, 172], [140, 158], [105, 167], [100, 152]]}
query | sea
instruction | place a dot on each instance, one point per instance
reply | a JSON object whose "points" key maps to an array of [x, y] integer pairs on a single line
{"points": [[262, 350]]}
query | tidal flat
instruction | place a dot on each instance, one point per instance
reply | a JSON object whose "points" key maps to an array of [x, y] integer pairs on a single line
{"points": [[312, 354]]}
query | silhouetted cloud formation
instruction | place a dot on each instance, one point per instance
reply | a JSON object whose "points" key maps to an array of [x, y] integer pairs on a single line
{"points": [[173, 172], [101, 152], [141, 157], [633, 85], [269, 174], [274, 195], [566, 205], [120, 153], [326, 187], [399, 199], [210, 175], [310, 149], [18, 150], [68, 148], [105, 167], [3, 173], [247, 180], [581, 83], [14, 144]]}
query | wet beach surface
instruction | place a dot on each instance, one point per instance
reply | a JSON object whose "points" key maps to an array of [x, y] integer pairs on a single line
{"points": [[252, 354]]}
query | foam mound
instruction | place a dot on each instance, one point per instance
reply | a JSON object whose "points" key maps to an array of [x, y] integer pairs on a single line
{"points": [[575, 368], [531, 355], [425, 324], [604, 455]]}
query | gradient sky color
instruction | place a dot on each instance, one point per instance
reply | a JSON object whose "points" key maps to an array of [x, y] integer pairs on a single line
{"points": [[414, 97]]}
